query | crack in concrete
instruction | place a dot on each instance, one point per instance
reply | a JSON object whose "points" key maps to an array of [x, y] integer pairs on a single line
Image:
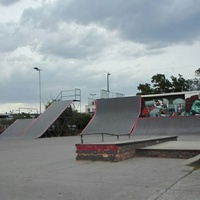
{"points": [[157, 196]]}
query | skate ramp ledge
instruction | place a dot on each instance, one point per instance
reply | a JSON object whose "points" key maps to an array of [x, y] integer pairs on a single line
{"points": [[171, 149], [116, 151]]}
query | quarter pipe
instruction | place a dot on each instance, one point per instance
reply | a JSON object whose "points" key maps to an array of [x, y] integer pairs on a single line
{"points": [[114, 116]]}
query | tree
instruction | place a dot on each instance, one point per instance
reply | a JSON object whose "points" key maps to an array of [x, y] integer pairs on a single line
{"points": [[70, 122], [145, 89], [160, 84], [197, 72], [82, 120], [179, 84]]}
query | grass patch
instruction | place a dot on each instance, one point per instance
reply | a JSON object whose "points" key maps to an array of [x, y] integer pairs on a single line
{"points": [[196, 167]]}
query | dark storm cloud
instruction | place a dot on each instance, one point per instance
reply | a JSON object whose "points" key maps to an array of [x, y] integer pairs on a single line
{"points": [[64, 38], [8, 2], [159, 23], [146, 21], [39, 18], [81, 43], [156, 25]]}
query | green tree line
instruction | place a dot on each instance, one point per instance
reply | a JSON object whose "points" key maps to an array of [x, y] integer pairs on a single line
{"points": [[160, 84]]}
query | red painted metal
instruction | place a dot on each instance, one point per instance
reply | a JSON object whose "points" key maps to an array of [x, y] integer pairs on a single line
{"points": [[90, 147]]}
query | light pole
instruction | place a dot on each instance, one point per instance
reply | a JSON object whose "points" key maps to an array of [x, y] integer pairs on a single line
{"points": [[108, 74], [40, 93]]}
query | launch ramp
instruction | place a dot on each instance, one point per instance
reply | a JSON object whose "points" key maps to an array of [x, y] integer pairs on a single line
{"points": [[114, 116], [46, 119], [180, 125], [17, 128], [35, 128]]}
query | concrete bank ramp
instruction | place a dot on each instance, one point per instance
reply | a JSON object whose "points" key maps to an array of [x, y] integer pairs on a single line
{"points": [[114, 116], [17, 128], [35, 128], [180, 125], [46, 119]]}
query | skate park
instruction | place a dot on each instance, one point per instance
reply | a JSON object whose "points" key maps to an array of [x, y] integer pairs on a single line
{"points": [[48, 168]]}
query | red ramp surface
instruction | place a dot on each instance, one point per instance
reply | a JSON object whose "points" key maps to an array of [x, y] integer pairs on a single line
{"points": [[114, 116], [180, 125]]}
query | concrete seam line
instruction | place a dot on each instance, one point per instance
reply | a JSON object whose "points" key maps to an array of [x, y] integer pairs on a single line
{"points": [[157, 196]]}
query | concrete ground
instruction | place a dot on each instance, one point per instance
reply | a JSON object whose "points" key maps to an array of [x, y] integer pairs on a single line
{"points": [[46, 169]]}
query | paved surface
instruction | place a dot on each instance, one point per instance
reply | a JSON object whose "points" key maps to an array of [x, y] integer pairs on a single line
{"points": [[115, 116], [46, 169]]}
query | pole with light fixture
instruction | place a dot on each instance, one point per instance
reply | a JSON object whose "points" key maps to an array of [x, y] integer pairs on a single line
{"points": [[108, 74], [40, 93]]}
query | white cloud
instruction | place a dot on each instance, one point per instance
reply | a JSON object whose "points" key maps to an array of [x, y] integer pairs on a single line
{"points": [[77, 42]]}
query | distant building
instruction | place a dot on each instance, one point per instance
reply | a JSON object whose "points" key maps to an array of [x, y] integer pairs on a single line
{"points": [[90, 108]]}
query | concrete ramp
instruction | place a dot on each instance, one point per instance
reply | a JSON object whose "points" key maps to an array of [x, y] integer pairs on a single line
{"points": [[172, 149], [35, 128], [114, 116], [46, 119], [17, 128], [180, 125]]}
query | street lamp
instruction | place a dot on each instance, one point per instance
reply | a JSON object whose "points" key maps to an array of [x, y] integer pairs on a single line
{"points": [[108, 74], [40, 93]]}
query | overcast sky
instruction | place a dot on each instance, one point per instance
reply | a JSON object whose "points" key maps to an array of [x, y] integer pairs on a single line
{"points": [[77, 42]]}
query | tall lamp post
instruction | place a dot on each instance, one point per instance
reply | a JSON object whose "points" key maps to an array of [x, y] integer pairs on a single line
{"points": [[108, 74], [40, 93]]}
